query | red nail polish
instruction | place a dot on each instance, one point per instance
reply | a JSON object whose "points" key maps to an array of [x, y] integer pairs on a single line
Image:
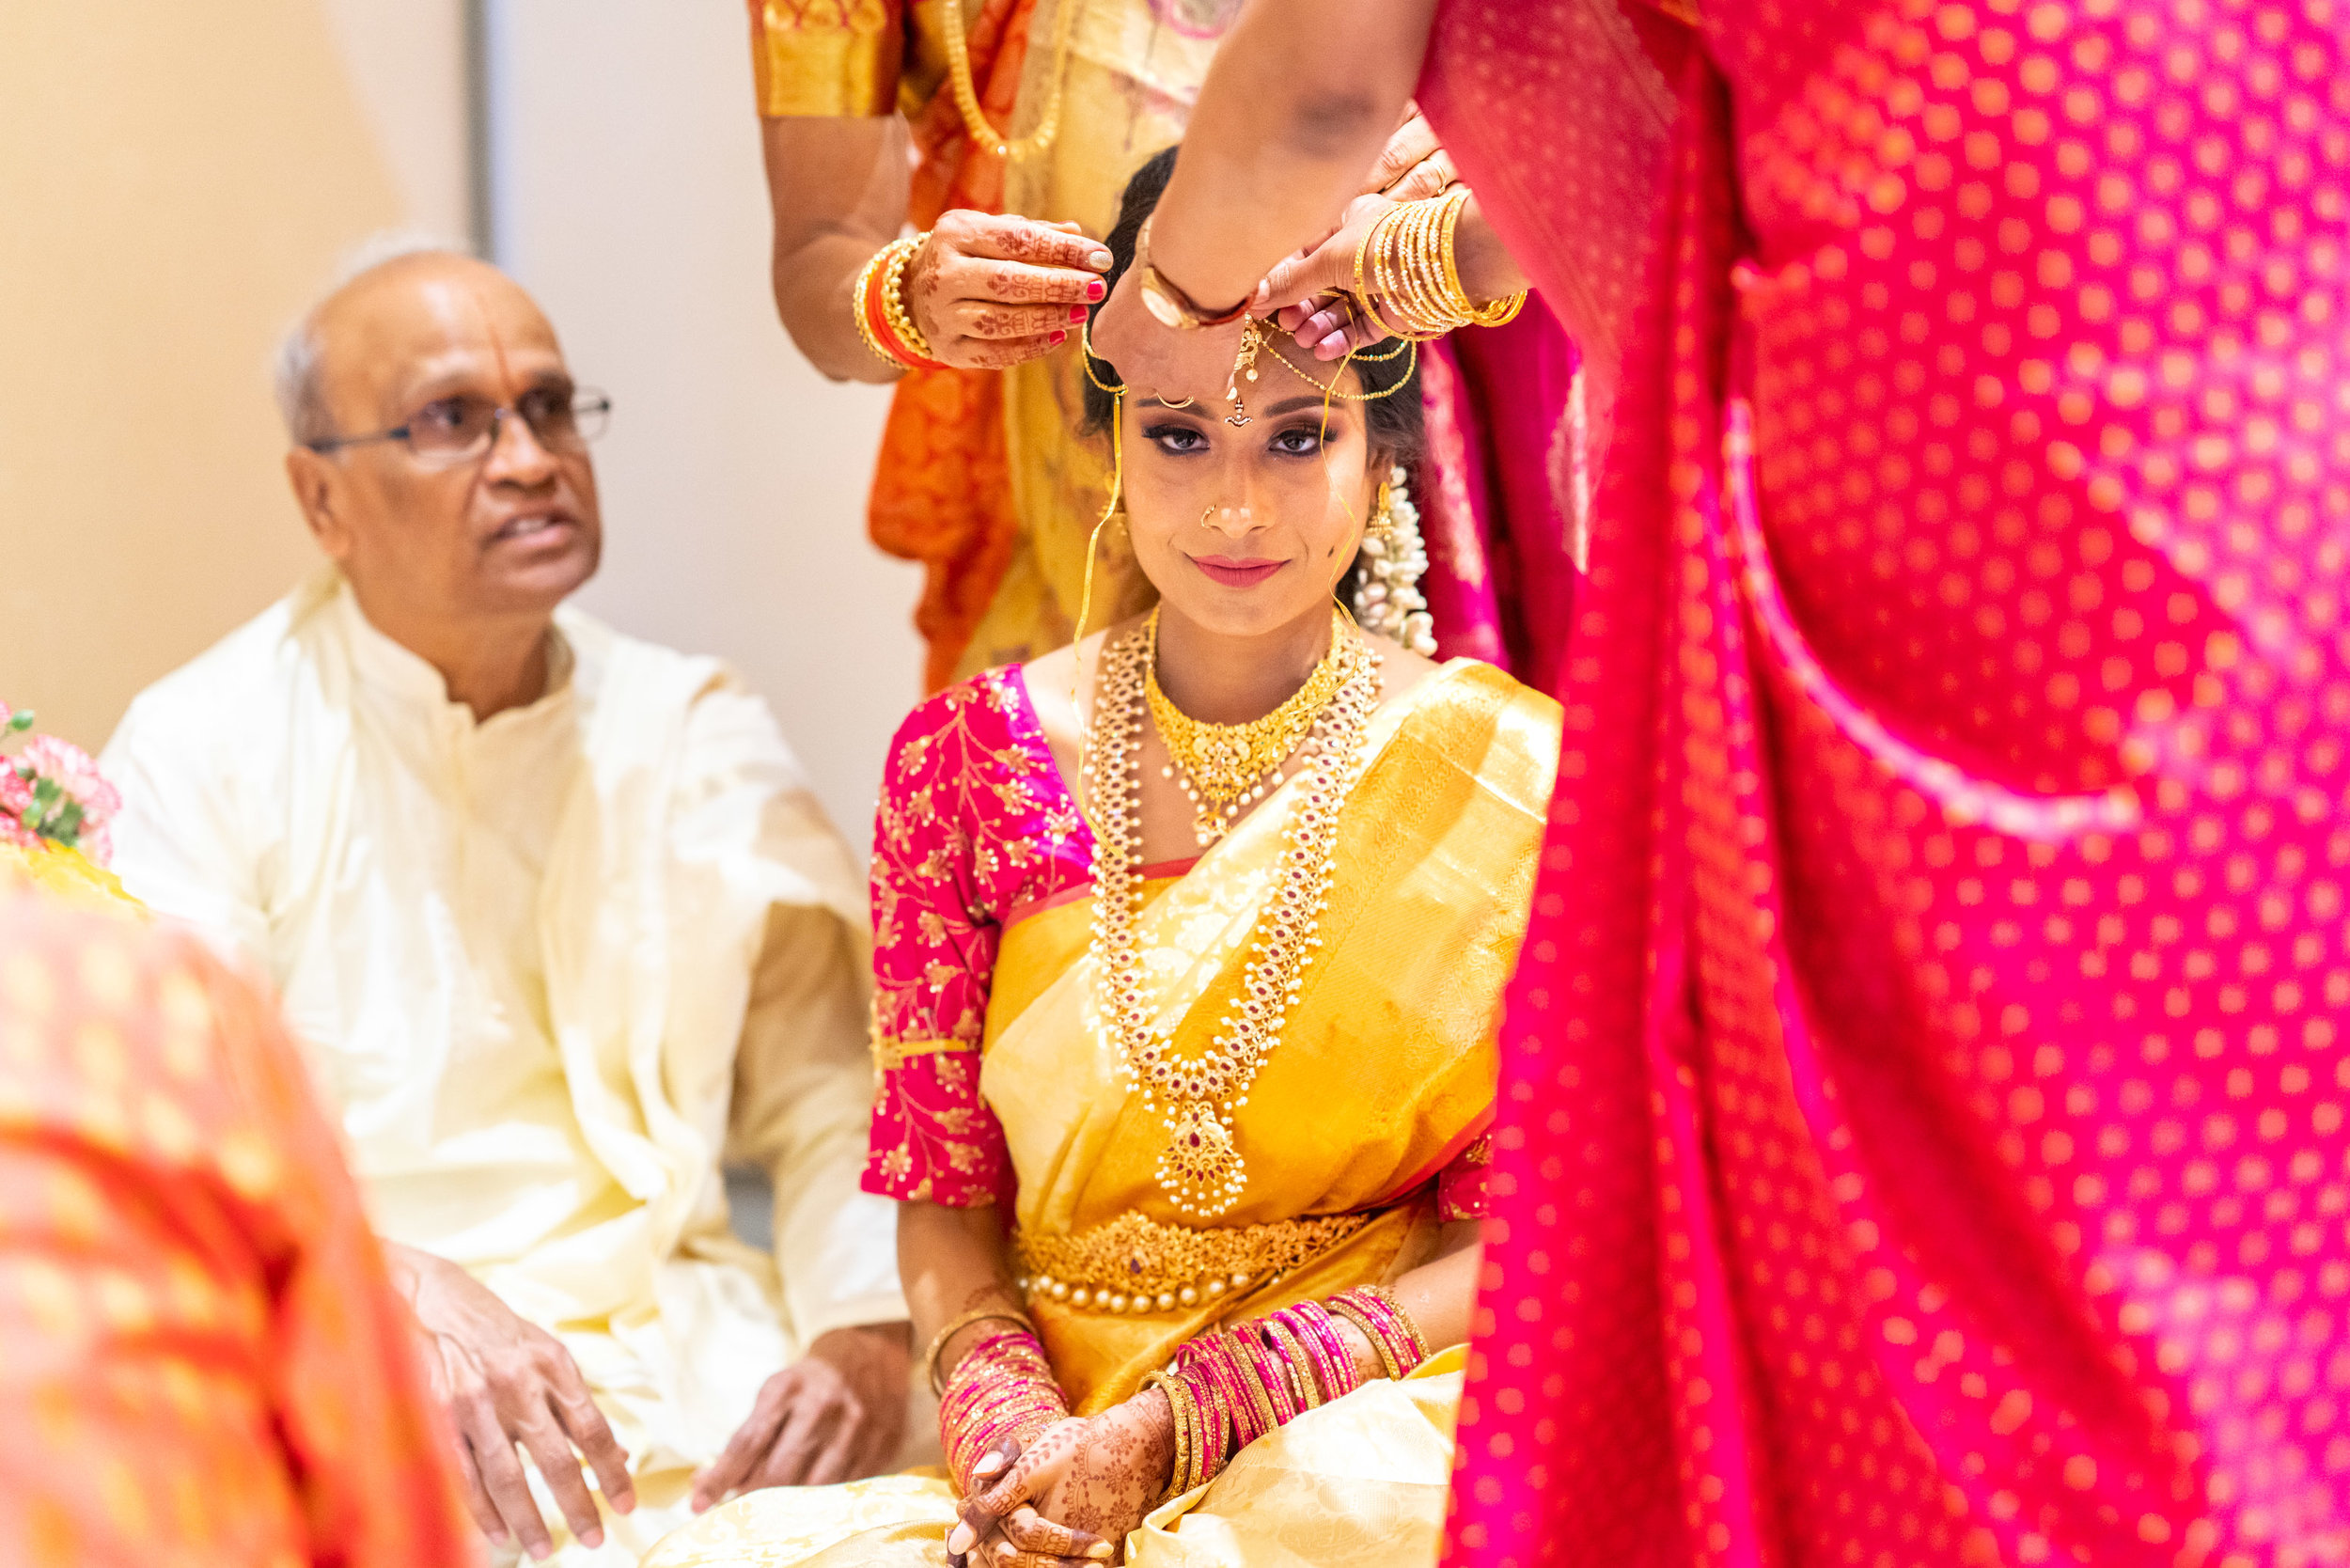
{"points": [[1060, 338], [1095, 290], [1076, 312]]}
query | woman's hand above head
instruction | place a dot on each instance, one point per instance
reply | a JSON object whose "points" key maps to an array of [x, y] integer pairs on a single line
{"points": [[991, 291], [1077, 1492], [1310, 295], [1153, 359]]}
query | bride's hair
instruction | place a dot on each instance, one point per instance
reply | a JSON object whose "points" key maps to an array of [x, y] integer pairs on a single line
{"points": [[1396, 424]]}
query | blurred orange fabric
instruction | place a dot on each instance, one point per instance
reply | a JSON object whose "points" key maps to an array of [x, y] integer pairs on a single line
{"points": [[204, 1360]]}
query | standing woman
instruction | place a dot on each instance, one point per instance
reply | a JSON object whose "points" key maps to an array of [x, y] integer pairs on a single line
{"points": [[1925, 1127], [1190, 943], [1025, 117]]}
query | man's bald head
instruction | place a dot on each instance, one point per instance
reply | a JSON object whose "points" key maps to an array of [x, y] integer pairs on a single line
{"points": [[380, 264], [437, 453]]}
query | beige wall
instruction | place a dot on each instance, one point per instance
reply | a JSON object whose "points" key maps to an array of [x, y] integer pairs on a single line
{"points": [[177, 179], [629, 197]]}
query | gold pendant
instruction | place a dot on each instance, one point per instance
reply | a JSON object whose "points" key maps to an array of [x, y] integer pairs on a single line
{"points": [[1200, 1168]]}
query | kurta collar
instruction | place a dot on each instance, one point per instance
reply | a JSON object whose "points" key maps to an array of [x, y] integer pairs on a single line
{"points": [[398, 672]]}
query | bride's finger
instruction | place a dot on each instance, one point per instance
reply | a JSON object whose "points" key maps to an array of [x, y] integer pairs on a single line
{"points": [[1003, 1451], [1033, 1532]]}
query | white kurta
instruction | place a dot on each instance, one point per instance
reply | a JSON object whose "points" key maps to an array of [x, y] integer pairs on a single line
{"points": [[550, 967]]}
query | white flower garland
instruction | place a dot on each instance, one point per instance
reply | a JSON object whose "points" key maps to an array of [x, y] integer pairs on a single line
{"points": [[1385, 594]]}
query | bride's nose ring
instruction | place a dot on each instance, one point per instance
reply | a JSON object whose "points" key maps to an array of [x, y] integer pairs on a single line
{"points": [[1210, 511]]}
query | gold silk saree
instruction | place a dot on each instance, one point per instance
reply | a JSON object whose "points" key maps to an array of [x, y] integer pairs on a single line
{"points": [[1384, 1077]]}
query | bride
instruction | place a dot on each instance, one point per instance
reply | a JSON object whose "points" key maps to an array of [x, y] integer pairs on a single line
{"points": [[1190, 943]]}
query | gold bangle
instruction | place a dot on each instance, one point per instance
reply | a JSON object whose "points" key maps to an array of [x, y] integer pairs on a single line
{"points": [[1395, 1304], [1445, 305], [1397, 239], [1177, 1396], [894, 309], [1362, 291], [1301, 1367], [864, 322], [956, 1325]]}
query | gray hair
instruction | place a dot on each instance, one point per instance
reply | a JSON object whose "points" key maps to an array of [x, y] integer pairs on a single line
{"points": [[295, 369]]}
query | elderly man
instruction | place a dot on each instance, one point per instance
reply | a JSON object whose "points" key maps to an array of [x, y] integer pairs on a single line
{"points": [[561, 925]]}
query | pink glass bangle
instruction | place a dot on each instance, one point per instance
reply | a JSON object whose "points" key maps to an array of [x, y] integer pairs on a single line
{"points": [[1390, 1328], [1318, 1336]]}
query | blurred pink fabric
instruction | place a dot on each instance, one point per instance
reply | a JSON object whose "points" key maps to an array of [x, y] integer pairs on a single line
{"points": [[1923, 1104], [1500, 579]]}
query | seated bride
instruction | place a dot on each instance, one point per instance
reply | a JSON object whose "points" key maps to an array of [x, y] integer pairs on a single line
{"points": [[1186, 998]]}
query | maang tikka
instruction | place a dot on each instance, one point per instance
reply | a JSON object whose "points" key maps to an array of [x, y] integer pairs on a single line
{"points": [[1243, 367]]}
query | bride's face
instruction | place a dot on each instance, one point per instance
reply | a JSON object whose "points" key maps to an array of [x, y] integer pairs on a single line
{"points": [[1245, 529]]}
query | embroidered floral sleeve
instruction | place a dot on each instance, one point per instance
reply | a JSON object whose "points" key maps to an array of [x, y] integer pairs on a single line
{"points": [[1461, 1187], [973, 821]]}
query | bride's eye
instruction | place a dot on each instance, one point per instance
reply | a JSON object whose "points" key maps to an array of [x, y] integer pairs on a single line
{"points": [[1299, 441], [1176, 438]]}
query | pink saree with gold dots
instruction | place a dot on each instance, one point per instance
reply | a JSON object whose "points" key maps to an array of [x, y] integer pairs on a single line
{"points": [[1922, 1128]]}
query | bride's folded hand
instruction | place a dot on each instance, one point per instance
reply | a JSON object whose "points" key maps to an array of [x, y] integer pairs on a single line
{"points": [[1075, 1492], [990, 292]]}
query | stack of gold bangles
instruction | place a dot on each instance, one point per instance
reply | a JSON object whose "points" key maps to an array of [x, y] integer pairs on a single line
{"points": [[1225, 1391], [882, 318], [1406, 263]]}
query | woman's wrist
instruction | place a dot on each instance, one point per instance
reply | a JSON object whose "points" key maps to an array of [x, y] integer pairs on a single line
{"points": [[1158, 1424], [1488, 271], [1198, 276], [1360, 1351]]}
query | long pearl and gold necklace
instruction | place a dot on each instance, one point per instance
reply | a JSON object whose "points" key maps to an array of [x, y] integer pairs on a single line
{"points": [[1226, 767], [1200, 1168]]}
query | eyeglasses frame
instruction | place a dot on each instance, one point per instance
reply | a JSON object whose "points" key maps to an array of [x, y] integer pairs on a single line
{"points": [[499, 413]]}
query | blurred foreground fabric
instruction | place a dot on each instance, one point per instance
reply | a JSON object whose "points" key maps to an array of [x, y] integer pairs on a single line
{"points": [[205, 1363], [1923, 1110]]}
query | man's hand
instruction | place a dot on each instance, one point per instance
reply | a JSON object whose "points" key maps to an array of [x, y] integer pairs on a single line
{"points": [[504, 1381], [837, 1415], [990, 292]]}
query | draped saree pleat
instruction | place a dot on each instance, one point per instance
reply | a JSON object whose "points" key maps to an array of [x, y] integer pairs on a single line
{"points": [[1922, 1132]]}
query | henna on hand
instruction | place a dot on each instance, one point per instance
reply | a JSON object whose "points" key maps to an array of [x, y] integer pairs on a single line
{"points": [[991, 290]]}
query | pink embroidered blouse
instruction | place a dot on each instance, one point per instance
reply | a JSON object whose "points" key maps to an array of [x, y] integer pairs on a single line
{"points": [[975, 823]]}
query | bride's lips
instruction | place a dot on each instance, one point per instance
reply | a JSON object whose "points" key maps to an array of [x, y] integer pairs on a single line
{"points": [[1236, 574]]}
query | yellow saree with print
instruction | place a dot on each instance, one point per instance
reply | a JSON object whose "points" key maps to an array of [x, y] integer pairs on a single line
{"points": [[1383, 1080]]}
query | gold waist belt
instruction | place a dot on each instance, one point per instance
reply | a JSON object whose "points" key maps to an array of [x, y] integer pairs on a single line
{"points": [[1134, 1264]]}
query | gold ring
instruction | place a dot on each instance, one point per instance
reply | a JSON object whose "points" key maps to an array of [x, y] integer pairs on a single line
{"points": [[1206, 512]]}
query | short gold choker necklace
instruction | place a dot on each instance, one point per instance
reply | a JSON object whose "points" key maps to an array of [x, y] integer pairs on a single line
{"points": [[1227, 767]]}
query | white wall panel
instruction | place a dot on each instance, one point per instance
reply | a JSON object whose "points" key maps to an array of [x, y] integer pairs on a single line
{"points": [[626, 192]]}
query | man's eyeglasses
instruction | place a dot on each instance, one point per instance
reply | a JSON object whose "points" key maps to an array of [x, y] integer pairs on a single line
{"points": [[449, 430]]}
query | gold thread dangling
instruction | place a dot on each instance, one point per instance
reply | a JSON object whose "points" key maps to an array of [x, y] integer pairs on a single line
{"points": [[1093, 545]]}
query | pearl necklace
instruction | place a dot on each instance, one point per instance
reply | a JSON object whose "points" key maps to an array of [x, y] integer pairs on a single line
{"points": [[1224, 767], [1199, 1168]]}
